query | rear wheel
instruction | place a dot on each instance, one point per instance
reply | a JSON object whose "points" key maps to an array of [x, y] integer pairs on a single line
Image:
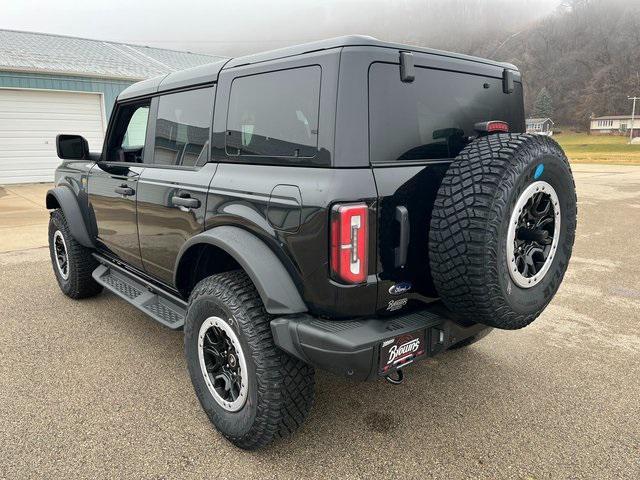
{"points": [[502, 229], [72, 263], [252, 391]]}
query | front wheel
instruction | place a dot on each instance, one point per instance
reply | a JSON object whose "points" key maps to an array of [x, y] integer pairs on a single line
{"points": [[72, 263], [251, 391]]}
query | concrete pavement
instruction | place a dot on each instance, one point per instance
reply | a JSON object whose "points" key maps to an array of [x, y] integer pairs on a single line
{"points": [[95, 389], [22, 216]]}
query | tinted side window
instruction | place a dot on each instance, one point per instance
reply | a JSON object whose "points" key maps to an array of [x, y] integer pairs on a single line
{"points": [[182, 128], [433, 116], [275, 114]]}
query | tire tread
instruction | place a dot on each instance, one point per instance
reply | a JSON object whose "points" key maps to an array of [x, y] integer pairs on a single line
{"points": [[285, 384], [463, 238], [80, 283]]}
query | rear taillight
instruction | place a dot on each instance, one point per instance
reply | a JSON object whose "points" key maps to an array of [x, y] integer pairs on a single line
{"points": [[349, 240]]}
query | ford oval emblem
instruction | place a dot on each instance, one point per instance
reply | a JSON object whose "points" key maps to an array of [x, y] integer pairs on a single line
{"points": [[400, 288]]}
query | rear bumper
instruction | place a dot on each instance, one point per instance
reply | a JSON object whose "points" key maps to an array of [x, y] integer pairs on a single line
{"points": [[352, 347]]}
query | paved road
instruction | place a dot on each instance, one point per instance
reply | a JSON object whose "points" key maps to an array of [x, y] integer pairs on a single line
{"points": [[96, 389], [23, 216]]}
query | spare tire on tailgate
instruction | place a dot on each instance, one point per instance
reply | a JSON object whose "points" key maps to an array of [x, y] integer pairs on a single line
{"points": [[502, 229]]}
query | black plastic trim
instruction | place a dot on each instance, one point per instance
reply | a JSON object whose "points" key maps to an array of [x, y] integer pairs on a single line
{"points": [[274, 284], [407, 67], [66, 199], [507, 81], [402, 217], [351, 348]]}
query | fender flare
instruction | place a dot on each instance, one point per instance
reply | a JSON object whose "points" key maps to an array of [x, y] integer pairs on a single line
{"points": [[64, 197], [274, 284]]}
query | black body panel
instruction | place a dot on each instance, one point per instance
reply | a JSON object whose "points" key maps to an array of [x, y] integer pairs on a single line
{"points": [[164, 225], [115, 212], [277, 177], [413, 187], [243, 195]]}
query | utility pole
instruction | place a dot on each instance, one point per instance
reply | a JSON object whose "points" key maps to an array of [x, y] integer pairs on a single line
{"points": [[633, 114]]}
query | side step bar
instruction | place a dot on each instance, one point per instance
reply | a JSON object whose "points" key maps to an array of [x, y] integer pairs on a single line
{"points": [[158, 304]]}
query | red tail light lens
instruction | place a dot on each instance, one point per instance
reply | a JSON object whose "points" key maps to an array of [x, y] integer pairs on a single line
{"points": [[349, 242]]}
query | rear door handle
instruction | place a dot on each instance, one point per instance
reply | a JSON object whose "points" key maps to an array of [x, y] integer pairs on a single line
{"points": [[402, 217], [125, 190], [185, 201]]}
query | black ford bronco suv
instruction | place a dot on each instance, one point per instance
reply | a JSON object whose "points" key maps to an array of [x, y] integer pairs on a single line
{"points": [[349, 205]]}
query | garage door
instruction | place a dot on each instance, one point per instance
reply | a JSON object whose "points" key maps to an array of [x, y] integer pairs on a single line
{"points": [[29, 123]]}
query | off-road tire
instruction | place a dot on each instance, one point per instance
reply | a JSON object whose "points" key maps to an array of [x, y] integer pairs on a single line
{"points": [[469, 225], [81, 263], [471, 340], [281, 387]]}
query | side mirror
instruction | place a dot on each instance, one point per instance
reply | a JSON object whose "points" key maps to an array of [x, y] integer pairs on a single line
{"points": [[72, 147]]}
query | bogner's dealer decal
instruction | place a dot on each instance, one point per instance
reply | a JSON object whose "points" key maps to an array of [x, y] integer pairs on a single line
{"points": [[401, 350], [398, 352], [396, 304]]}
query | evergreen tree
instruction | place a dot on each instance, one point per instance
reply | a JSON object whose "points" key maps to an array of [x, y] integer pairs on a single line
{"points": [[543, 106]]}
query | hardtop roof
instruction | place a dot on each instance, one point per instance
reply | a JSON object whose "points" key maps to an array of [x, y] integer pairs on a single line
{"points": [[209, 73], [351, 41]]}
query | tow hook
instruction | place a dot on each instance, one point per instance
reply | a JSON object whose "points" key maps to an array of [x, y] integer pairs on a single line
{"points": [[397, 380]]}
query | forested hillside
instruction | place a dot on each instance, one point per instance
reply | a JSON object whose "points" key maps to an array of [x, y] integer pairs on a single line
{"points": [[587, 56], [578, 58]]}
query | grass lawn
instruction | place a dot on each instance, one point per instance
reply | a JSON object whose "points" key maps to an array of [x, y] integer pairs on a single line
{"points": [[583, 148]]}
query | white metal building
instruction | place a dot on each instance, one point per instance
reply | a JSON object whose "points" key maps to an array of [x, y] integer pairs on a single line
{"points": [[51, 84]]}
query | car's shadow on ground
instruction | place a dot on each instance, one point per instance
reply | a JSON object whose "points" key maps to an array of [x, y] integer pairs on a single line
{"points": [[435, 389], [437, 392]]}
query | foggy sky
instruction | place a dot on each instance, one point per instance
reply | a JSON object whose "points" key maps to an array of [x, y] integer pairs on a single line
{"points": [[238, 27]]}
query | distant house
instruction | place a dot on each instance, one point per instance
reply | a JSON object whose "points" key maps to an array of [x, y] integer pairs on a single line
{"points": [[540, 126], [614, 125]]}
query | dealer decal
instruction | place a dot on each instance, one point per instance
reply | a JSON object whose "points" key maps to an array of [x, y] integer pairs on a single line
{"points": [[396, 304], [401, 350], [397, 352]]}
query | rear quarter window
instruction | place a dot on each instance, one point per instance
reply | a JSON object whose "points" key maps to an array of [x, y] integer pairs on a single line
{"points": [[275, 115], [433, 116]]}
